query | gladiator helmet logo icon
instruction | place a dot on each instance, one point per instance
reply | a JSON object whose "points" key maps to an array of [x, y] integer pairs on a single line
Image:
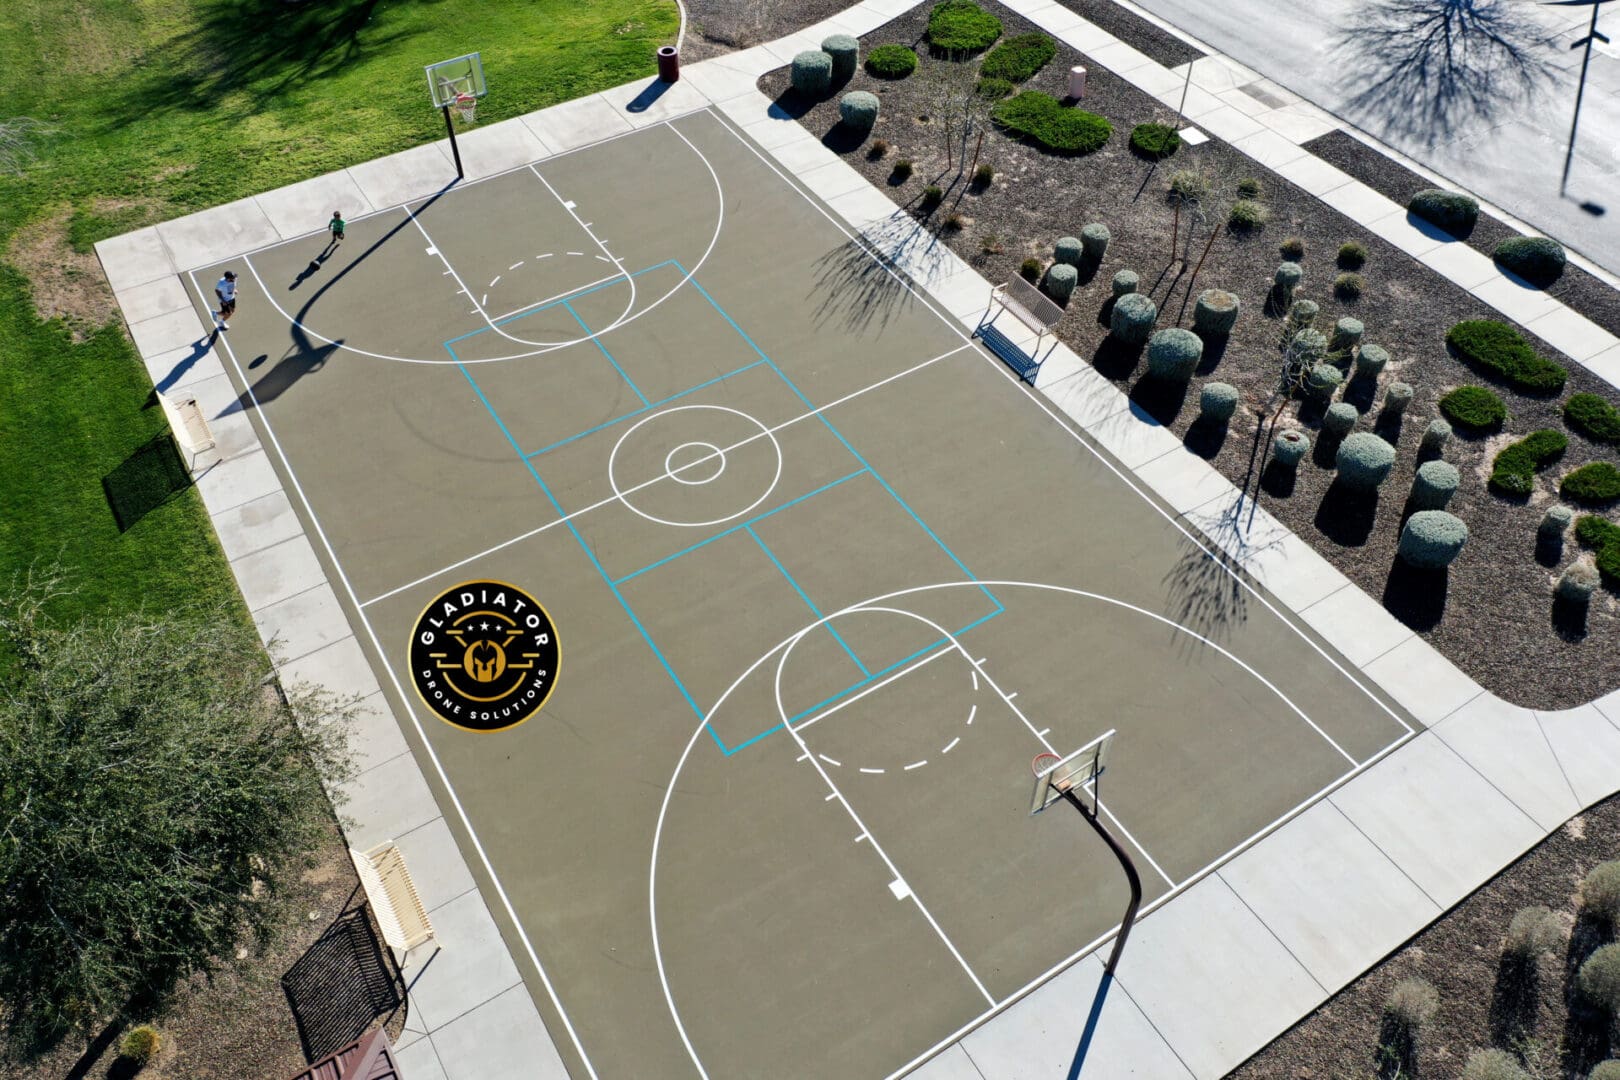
{"points": [[484, 656]]}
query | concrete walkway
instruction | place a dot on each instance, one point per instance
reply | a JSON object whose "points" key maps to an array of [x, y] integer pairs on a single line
{"points": [[1217, 969]]}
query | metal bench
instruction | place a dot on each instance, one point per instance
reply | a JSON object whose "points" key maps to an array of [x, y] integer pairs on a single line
{"points": [[1029, 306]]}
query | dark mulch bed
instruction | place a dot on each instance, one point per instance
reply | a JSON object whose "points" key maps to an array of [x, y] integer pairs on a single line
{"points": [[1575, 288], [1494, 614], [1135, 31], [716, 27], [1482, 1002]]}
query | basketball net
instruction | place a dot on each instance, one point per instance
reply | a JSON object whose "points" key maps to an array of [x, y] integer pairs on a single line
{"points": [[466, 106]]}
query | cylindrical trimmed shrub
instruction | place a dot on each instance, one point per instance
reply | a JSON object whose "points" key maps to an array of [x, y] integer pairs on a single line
{"points": [[1286, 280], [1364, 460], [1125, 282], [1577, 583], [1068, 250], [1538, 260], [1302, 314], [1434, 485], [1217, 401], [1173, 354], [1290, 448], [858, 110], [1340, 417], [812, 72], [1322, 379], [1435, 437], [1061, 279], [1307, 347], [1216, 312], [1346, 335], [1432, 539], [1599, 978], [1554, 523], [1133, 318], [1397, 396], [1493, 1064], [1370, 360], [1094, 238], [845, 52]]}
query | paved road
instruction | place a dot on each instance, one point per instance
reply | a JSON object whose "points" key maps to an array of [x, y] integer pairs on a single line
{"points": [[1432, 78]]}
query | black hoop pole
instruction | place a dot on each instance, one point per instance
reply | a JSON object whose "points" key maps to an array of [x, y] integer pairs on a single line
{"points": [[1131, 876], [454, 149]]}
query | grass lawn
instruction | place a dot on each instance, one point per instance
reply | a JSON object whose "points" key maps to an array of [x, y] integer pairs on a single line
{"points": [[163, 107]]}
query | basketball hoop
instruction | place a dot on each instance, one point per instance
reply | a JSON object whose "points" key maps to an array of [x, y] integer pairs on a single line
{"points": [[466, 106]]}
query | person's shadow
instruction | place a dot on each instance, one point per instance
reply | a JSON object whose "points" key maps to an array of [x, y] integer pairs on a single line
{"points": [[315, 264]]}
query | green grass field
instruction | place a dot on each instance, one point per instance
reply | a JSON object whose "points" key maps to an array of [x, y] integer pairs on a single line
{"points": [[161, 107]]}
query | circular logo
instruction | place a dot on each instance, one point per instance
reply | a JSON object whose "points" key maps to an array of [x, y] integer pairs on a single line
{"points": [[484, 656]]}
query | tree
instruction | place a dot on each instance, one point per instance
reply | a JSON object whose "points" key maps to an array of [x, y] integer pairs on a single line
{"points": [[950, 82], [155, 793]]}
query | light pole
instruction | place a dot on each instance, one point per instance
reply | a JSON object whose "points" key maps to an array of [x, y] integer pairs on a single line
{"points": [[1580, 90]]}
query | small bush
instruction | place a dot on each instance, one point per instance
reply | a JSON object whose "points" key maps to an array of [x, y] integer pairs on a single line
{"points": [[962, 26], [1606, 1070], [858, 110], [1340, 417], [1247, 215], [1397, 397], [1217, 401], [1155, 141], [1603, 536], [902, 170], [1514, 470], [932, 196], [1370, 360], [1453, 212], [1125, 282], [1030, 270], [1599, 978], [1133, 318], [1594, 484], [1173, 354], [812, 72], [1290, 448], [1534, 932], [1434, 485], [1474, 408], [1043, 120], [891, 62], [1189, 184], [1292, 249], [1018, 58], [1493, 1064], [1068, 249], [1435, 437], [1497, 348], [1577, 583], [983, 175], [1555, 522], [1432, 539], [1538, 260], [994, 89], [1364, 460], [1286, 280], [991, 244], [140, 1045], [1593, 417], [1061, 279], [878, 148], [1251, 188], [1322, 379], [845, 52], [1216, 312], [1411, 1004], [1352, 255], [1349, 286], [955, 222], [1347, 334], [1600, 890], [1094, 239]]}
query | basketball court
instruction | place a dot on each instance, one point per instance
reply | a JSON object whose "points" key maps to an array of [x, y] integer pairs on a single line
{"points": [[825, 579]]}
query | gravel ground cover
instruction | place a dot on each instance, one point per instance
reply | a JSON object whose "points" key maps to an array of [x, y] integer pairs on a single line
{"points": [[1492, 612], [716, 27], [1135, 31]]}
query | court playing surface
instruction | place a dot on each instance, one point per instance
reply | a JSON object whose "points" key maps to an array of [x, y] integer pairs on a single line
{"points": [[825, 579]]}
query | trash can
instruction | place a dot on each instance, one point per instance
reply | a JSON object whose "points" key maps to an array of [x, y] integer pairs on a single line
{"points": [[1077, 82], [669, 63]]}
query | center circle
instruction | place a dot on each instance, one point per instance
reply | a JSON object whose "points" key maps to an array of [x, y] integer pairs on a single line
{"points": [[749, 434], [705, 454]]}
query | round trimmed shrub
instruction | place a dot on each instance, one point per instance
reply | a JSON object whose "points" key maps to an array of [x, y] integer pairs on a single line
{"points": [[1555, 522], [1173, 354], [962, 26], [1094, 239], [1290, 448], [1308, 347], [1043, 120], [812, 72], [845, 52], [1577, 583], [140, 1045], [1286, 280], [1432, 539], [1597, 483], [1322, 379], [1434, 485], [1061, 279], [1493, 1064], [1364, 460], [1133, 318], [1125, 282], [1030, 270], [1217, 401], [1340, 417], [891, 62], [1435, 437], [1302, 314], [1068, 249], [1370, 360], [1593, 417], [1474, 408], [1599, 978], [1452, 211], [858, 109], [1019, 58], [1155, 141], [1346, 335], [1397, 397], [1600, 893], [1216, 312], [1538, 260], [1606, 1070]]}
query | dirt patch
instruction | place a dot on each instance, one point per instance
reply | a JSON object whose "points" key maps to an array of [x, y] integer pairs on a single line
{"points": [[63, 283]]}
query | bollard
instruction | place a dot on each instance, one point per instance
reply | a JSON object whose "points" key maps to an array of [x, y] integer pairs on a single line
{"points": [[669, 63], [1077, 82]]}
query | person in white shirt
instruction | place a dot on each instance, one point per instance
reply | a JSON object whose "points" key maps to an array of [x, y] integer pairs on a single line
{"points": [[225, 289]]}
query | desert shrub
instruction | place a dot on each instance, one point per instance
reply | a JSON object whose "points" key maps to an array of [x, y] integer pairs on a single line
{"points": [[1474, 408], [1292, 249], [983, 175], [1364, 460], [1246, 215], [1250, 188], [994, 89], [1173, 353], [990, 244], [1190, 184], [1133, 318], [1370, 360], [1217, 401], [1155, 141], [1286, 280], [891, 62], [1030, 270], [858, 109], [1397, 396], [1577, 583], [1043, 120], [1538, 260], [1593, 417], [1411, 1004], [1533, 932], [1018, 58], [1493, 1064], [139, 1045], [1125, 282], [1307, 347], [962, 26], [1349, 286], [1290, 448], [1599, 978], [1514, 470], [878, 148], [932, 196], [845, 52], [1603, 536], [1497, 348], [1216, 312], [1340, 417], [1435, 437], [1600, 890], [1352, 255], [812, 72], [1094, 239], [902, 169], [1068, 249], [1454, 212], [1347, 334], [1302, 315], [1555, 522], [1061, 279], [1606, 1070], [1593, 484], [1434, 485], [1432, 539], [955, 222], [1323, 378]]}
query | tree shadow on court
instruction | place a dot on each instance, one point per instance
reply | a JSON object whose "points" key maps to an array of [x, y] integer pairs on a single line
{"points": [[341, 985], [144, 481], [1208, 587], [860, 282]]}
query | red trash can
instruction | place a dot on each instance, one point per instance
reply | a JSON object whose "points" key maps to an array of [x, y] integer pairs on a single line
{"points": [[669, 63]]}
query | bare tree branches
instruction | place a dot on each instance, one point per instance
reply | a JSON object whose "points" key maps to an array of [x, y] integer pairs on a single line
{"points": [[17, 138]]}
